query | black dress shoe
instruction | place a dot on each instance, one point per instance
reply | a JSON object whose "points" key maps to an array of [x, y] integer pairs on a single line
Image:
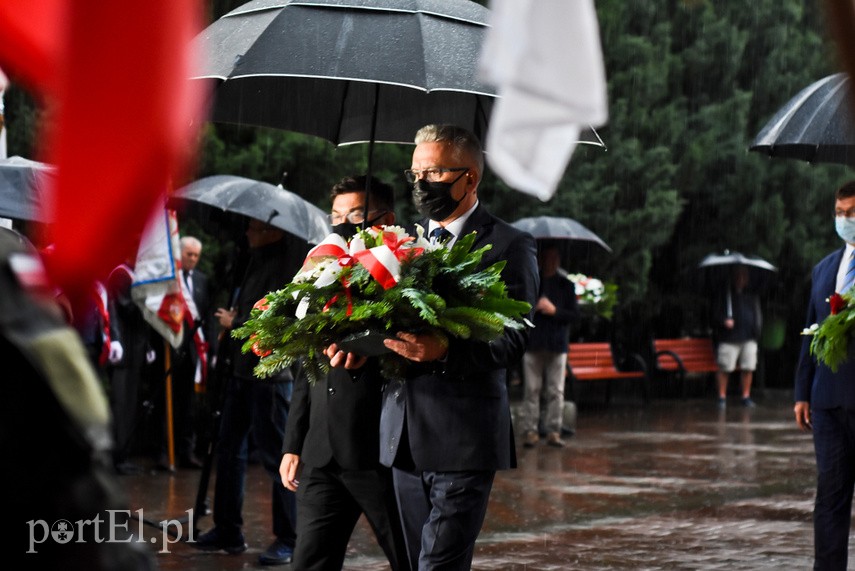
{"points": [[190, 462], [213, 540], [162, 465]]}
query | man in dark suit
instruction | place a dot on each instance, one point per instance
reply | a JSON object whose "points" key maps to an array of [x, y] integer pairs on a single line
{"points": [[447, 428], [825, 401], [331, 453], [254, 407], [188, 367]]}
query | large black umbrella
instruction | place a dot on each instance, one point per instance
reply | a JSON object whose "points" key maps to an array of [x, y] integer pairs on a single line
{"points": [[260, 200], [22, 186], [350, 70], [815, 126]]}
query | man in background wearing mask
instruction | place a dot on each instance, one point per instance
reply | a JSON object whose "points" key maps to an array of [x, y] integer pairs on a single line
{"points": [[447, 428], [825, 401], [331, 450]]}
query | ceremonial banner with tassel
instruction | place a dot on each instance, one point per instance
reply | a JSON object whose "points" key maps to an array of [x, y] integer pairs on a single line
{"points": [[156, 288]]}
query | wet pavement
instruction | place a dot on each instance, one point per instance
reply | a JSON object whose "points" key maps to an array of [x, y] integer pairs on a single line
{"points": [[676, 485]]}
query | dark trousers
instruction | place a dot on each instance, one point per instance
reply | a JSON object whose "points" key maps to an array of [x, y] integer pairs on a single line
{"points": [[442, 514], [261, 408], [124, 401], [329, 503], [834, 442]]}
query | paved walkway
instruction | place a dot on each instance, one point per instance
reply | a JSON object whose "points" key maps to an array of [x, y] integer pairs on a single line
{"points": [[675, 485]]}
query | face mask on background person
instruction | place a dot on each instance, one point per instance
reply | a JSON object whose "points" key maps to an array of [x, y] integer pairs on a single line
{"points": [[845, 228], [347, 228]]}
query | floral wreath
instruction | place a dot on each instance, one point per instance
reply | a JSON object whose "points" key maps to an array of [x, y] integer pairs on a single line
{"points": [[593, 293], [830, 343], [382, 280]]}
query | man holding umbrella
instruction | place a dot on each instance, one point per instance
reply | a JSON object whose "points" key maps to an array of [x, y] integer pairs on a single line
{"points": [[737, 321], [331, 450], [252, 405], [446, 429]]}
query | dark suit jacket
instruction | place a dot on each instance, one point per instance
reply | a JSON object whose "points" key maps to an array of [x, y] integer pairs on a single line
{"points": [[456, 414], [337, 418], [816, 383], [201, 298]]}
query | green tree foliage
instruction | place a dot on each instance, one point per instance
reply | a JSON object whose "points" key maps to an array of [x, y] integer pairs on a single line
{"points": [[690, 83]]}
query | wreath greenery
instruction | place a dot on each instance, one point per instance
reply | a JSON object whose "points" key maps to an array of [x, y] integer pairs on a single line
{"points": [[831, 338], [381, 280]]}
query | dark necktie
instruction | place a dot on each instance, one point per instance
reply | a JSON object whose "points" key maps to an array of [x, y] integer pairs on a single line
{"points": [[188, 279], [440, 235]]}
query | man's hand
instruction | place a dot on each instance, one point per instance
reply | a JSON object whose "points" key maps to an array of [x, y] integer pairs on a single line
{"points": [[339, 358], [422, 347], [545, 306], [802, 410], [729, 323], [226, 317], [289, 471]]}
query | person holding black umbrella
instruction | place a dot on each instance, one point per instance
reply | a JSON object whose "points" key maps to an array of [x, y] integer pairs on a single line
{"points": [[545, 359], [331, 451], [737, 321], [254, 406]]}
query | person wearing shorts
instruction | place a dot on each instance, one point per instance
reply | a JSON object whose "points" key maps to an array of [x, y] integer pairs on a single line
{"points": [[737, 320]]}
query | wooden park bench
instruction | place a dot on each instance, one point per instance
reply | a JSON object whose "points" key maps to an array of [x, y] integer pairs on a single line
{"points": [[684, 357], [596, 362]]}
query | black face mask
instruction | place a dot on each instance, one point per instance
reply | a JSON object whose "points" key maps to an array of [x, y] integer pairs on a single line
{"points": [[434, 200], [347, 229]]}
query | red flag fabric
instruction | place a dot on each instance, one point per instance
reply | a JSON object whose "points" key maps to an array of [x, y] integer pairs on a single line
{"points": [[32, 41], [124, 119]]}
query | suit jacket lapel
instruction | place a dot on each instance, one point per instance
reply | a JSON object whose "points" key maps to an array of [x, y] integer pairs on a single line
{"points": [[829, 278], [478, 222]]}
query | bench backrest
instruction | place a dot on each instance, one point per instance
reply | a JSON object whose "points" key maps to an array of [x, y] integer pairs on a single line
{"points": [[696, 353], [590, 356]]}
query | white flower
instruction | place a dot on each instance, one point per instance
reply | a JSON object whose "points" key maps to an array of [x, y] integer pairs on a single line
{"points": [[810, 330]]}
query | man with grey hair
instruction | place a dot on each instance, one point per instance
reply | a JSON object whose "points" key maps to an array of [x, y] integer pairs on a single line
{"points": [[189, 361], [447, 428]]}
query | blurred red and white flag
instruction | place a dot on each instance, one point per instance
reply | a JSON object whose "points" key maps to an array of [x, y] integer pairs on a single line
{"points": [[4, 83], [157, 287], [545, 61]]}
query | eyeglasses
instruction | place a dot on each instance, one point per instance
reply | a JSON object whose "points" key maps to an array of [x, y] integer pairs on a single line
{"points": [[433, 174], [845, 213], [354, 216]]}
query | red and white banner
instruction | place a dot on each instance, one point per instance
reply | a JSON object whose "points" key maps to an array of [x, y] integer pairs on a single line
{"points": [[157, 289]]}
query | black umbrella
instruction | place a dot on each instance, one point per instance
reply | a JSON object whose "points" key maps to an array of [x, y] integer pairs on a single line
{"points": [[815, 126], [578, 246], [22, 186], [717, 269], [558, 228], [350, 70], [260, 200]]}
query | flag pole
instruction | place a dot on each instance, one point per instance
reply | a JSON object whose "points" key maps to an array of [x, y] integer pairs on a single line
{"points": [[170, 435]]}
